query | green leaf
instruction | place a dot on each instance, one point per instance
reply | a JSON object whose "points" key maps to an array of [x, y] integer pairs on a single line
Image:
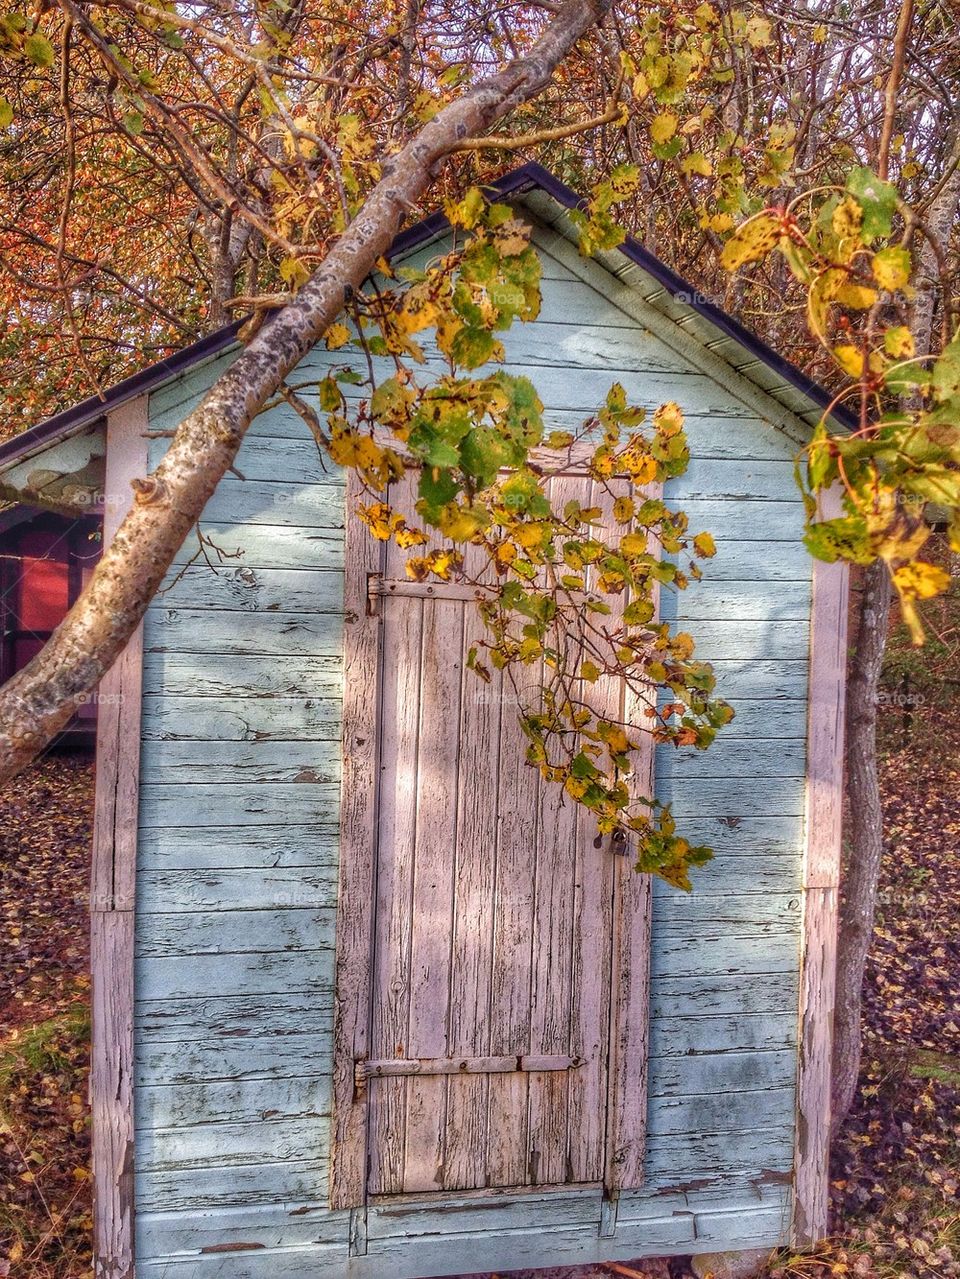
{"points": [[38, 49], [946, 372], [473, 347], [6, 113], [877, 199], [437, 488], [329, 393]]}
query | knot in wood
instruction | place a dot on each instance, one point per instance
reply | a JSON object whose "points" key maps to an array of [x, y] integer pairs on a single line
{"points": [[146, 491]]}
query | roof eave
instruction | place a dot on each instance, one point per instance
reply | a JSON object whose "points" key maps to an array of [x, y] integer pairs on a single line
{"points": [[788, 380]]}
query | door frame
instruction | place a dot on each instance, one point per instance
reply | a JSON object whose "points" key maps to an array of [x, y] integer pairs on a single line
{"points": [[626, 1101]]}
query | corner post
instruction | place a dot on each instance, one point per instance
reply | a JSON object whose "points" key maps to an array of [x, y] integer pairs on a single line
{"points": [[821, 880], [112, 891]]}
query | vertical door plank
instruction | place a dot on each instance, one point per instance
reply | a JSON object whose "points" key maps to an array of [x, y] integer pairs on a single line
{"points": [[472, 954], [433, 888], [516, 849], [397, 829], [590, 1007], [630, 996], [553, 942]]}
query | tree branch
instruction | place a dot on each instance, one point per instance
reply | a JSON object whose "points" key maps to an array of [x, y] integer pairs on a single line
{"points": [[39, 700]]}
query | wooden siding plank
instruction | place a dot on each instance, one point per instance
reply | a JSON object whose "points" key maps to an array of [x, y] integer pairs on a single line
{"points": [[171, 804], [240, 586], [254, 1016], [821, 878], [303, 1096], [175, 719], [235, 848], [221, 1058], [245, 677], [186, 1189], [713, 797], [176, 977], [357, 817], [236, 633], [266, 546], [171, 891], [112, 893]]}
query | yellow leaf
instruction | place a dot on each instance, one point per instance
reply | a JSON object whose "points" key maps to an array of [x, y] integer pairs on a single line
{"points": [[891, 267], [705, 546], [759, 32], [918, 581], [668, 418], [336, 336], [293, 272], [623, 510], [461, 523], [697, 163], [407, 537], [752, 240], [921, 581], [857, 296], [898, 342], [850, 359], [822, 291], [633, 544], [590, 672], [847, 219], [663, 127]]}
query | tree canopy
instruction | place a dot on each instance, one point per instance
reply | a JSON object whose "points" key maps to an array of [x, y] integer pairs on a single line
{"points": [[169, 167]]}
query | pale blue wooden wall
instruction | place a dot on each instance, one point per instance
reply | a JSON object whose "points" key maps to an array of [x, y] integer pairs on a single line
{"points": [[238, 862]]}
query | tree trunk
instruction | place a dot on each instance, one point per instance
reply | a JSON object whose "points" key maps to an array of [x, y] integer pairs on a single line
{"points": [[866, 834], [40, 699], [863, 788]]}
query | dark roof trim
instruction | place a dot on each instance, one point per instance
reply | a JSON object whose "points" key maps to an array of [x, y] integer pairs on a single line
{"points": [[535, 175], [530, 176]]}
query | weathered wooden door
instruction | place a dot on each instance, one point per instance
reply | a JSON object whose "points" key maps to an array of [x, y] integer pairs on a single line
{"points": [[504, 947]]}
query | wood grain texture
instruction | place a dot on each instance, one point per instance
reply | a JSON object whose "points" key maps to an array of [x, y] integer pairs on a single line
{"points": [[358, 806], [821, 878], [112, 896]]}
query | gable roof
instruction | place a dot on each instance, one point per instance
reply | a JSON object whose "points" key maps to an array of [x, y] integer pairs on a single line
{"points": [[548, 198]]}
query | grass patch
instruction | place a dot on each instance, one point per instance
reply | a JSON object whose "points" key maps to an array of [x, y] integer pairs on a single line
{"points": [[44, 1146], [944, 1067]]}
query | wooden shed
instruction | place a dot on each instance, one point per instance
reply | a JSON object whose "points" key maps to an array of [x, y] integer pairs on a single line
{"points": [[368, 1001]]}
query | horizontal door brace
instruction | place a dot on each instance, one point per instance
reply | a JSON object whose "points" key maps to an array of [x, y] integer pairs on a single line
{"points": [[462, 1066], [379, 587]]}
